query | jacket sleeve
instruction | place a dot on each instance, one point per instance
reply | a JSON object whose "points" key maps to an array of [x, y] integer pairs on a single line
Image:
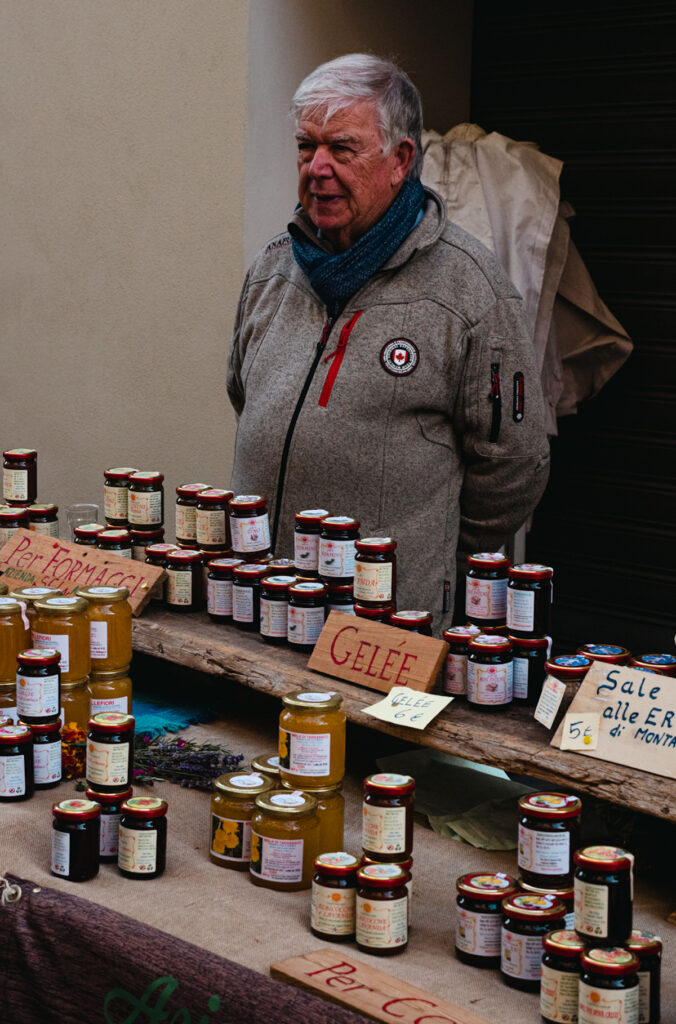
{"points": [[233, 381], [500, 420]]}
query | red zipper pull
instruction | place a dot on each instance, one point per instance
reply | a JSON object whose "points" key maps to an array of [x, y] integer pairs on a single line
{"points": [[335, 366]]}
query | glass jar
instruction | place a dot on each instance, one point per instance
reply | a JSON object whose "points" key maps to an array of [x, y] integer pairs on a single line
{"points": [[312, 739], [609, 988], [489, 672], [142, 851], [246, 595], [306, 540], [156, 554], [387, 816], [219, 588], [87, 534], [381, 909], [528, 673], [603, 894], [109, 615], [29, 595], [340, 598], [183, 591], [211, 519], [110, 751], [232, 806], [75, 716], [412, 620], [529, 600], [565, 896], [648, 948], [116, 495], [406, 866], [549, 834], [11, 520], [381, 614], [141, 539], [47, 770], [486, 588], [307, 614], [284, 841], [76, 830], [569, 669], [334, 891], [249, 527], [186, 517], [146, 500], [337, 538], [16, 763], [3, 589], [44, 519], [38, 685], [662, 664], [526, 921], [268, 764], [8, 703], [479, 918], [455, 669], [331, 814], [110, 691], [281, 567], [375, 572], [62, 622], [275, 608], [116, 542], [111, 812], [559, 982], [20, 476], [611, 654], [14, 637]]}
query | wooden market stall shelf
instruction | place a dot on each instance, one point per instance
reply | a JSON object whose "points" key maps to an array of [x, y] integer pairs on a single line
{"points": [[510, 739]]}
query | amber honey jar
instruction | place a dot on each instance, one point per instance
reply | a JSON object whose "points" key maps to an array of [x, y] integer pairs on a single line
{"points": [[11, 520], [142, 539], [184, 586], [38, 685], [249, 526], [331, 814], [111, 812], [529, 600], [186, 506], [603, 894], [29, 595], [455, 669], [527, 918], [115, 542], [612, 654], [16, 763], [414, 620], [15, 637], [312, 739], [86, 534], [75, 716], [284, 840], [20, 476], [109, 615], [142, 851], [47, 771], [337, 538], [306, 614], [212, 519], [110, 751], [387, 816], [648, 948], [381, 909], [306, 540], [275, 608], [609, 986], [116, 495], [43, 519], [560, 977], [375, 571], [486, 588], [268, 764], [110, 691], [232, 806], [490, 671], [334, 892], [549, 834], [62, 622], [479, 917], [76, 829]]}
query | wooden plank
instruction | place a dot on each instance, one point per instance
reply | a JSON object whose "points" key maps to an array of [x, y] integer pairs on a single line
{"points": [[511, 740]]}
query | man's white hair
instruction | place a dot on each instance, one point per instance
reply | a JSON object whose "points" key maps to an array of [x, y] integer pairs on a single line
{"points": [[339, 83]]}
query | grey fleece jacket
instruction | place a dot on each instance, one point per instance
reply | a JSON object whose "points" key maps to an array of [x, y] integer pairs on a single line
{"points": [[430, 456]]}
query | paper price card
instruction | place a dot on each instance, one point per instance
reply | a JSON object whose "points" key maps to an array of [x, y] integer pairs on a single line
{"points": [[581, 732], [411, 708], [550, 701]]}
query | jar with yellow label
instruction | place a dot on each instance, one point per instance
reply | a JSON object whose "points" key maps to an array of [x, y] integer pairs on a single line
{"points": [[331, 813], [232, 805], [110, 691], [109, 615], [334, 891], [29, 595], [75, 716], [62, 622], [14, 637], [268, 764], [382, 909], [312, 739], [284, 840]]}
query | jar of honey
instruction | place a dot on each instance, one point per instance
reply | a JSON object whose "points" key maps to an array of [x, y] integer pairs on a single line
{"points": [[20, 476], [486, 588], [62, 622], [76, 832], [479, 919], [211, 519], [455, 670], [38, 685], [549, 834], [186, 517], [662, 664], [337, 538], [86, 534], [611, 654], [340, 598], [331, 813], [306, 540], [110, 691], [334, 891], [156, 554], [560, 977], [115, 542], [387, 816], [44, 519], [11, 520], [275, 608], [375, 572], [609, 986], [528, 668], [249, 527], [268, 764], [29, 595], [527, 919], [232, 806], [603, 894], [110, 751], [142, 851], [382, 909], [116, 495], [47, 771], [75, 716], [16, 763], [183, 591], [312, 739], [381, 614], [111, 812], [8, 703], [489, 671], [284, 840], [142, 539], [529, 600], [307, 614], [109, 615], [413, 620], [14, 637], [246, 595], [146, 500]]}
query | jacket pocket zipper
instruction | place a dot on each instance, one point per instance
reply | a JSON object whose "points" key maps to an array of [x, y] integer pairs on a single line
{"points": [[496, 399]]}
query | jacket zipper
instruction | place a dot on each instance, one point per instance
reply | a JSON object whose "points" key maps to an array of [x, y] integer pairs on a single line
{"points": [[497, 402]]}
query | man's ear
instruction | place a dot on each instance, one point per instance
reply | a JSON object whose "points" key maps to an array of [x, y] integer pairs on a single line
{"points": [[404, 153]]}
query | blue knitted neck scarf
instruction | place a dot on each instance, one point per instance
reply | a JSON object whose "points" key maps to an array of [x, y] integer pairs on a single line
{"points": [[335, 277]]}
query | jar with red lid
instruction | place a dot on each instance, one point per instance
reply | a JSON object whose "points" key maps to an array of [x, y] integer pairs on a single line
{"points": [[87, 533], [110, 751], [455, 669], [116, 495], [156, 554], [375, 614], [275, 608], [406, 865], [549, 834], [529, 600], [140, 539], [11, 520], [219, 588], [526, 920], [479, 917], [146, 500], [38, 685], [559, 982], [183, 591], [212, 519], [662, 664], [306, 540], [413, 620], [609, 986], [611, 654], [387, 816], [142, 851], [648, 948], [569, 669], [337, 538], [334, 892], [117, 542], [111, 811], [20, 476], [486, 588], [603, 894], [340, 598], [46, 754], [375, 572], [565, 895], [281, 567], [489, 671], [44, 519], [381, 909], [249, 526], [307, 614], [246, 595], [76, 829], [186, 514], [528, 668], [16, 763]]}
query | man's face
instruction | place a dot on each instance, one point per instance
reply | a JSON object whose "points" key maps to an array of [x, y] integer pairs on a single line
{"points": [[345, 181]]}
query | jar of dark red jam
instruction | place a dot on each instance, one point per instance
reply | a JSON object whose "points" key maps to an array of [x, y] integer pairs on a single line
{"points": [[455, 669], [76, 828], [44, 519], [603, 894], [142, 849], [307, 614], [528, 668], [479, 917], [387, 816], [381, 909], [111, 811], [526, 919], [486, 588], [375, 572], [249, 527], [20, 476], [559, 983], [146, 500], [183, 591], [281, 567], [337, 538], [549, 834], [46, 754], [529, 600], [212, 519], [116, 495], [612, 654], [377, 614], [413, 620], [141, 539], [16, 763], [110, 751], [340, 598], [38, 685], [186, 505], [648, 948], [662, 664], [11, 520], [156, 554], [334, 892], [489, 671], [565, 896], [609, 986], [306, 540], [246, 595], [219, 588], [117, 542], [275, 608], [87, 533]]}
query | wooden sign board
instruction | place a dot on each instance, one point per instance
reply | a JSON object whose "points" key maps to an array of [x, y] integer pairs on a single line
{"points": [[377, 656], [638, 717], [375, 994], [30, 559]]}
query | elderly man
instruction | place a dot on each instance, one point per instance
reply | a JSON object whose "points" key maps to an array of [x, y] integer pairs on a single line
{"points": [[381, 365]]}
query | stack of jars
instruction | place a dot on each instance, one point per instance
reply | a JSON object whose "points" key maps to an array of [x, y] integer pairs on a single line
{"points": [[21, 509], [134, 512]]}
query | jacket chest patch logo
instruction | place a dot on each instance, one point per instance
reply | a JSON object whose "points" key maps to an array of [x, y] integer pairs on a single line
{"points": [[399, 356]]}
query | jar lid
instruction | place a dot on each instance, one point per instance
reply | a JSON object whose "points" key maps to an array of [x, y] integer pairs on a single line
{"points": [[103, 594], [146, 535], [604, 857], [183, 556], [8, 512], [337, 864], [111, 721], [490, 641], [410, 617], [364, 611], [460, 634], [382, 876], [108, 798], [225, 566], [390, 782], [375, 544], [604, 652], [527, 906], [550, 805], [275, 564], [531, 643], [248, 502], [569, 666], [531, 571], [15, 733], [489, 887], [39, 656], [280, 583], [61, 605], [243, 783], [113, 536], [319, 700], [405, 865], [311, 516], [565, 895], [104, 677], [21, 453], [159, 550], [252, 570], [651, 661], [641, 941], [289, 805], [488, 559], [145, 807], [88, 529], [80, 810], [8, 606], [30, 595], [120, 472], [190, 490], [308, 587], [74, 684], [146, 476], [42, 509], [335, 523], [212, 556], [44, 727], [615, 961], [266, 763], [317, 791], [565, 943], [214, 495]]}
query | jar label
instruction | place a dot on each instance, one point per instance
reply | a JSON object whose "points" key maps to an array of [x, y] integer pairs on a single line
{"points": [[108, 763], [521, 609], [521, 955], [250, 534], [305, 753], [15, 484], [304, 625], [37, 696], [644, 997], [610, 1005], [306, 551], [346, 609], [179, 587], [59, 641], [219, 597], [382, 924], [115, 502], [145, 507], [520, 677], [12, 775], [591, 909], [277, 860], [46, 529], [373, 581], [186, 522], [6, 533], [383, 829], [242, 604], [98, 704], [60, 853], [230, 838], [109, 840], [489, 684], [559, 995], [138, 552], [211, 527], [336, 557], [333, 910], [98, 639], [12, 713], [137, 850], [274, 617], [544, 853], [486, 599], [455, 674], [478, 934]]}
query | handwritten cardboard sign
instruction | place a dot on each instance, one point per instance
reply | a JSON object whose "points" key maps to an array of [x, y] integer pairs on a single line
{"points": [[30, 559], [351, 983], [377, 656], [401, 707], [637, 717], [581, 732]]}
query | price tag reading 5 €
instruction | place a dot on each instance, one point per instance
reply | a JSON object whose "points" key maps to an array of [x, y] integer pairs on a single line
{"points": [[581, 732]]}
